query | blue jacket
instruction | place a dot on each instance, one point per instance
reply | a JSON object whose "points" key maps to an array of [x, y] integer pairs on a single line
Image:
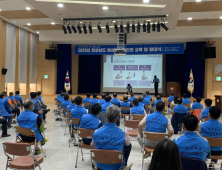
{"points": [[205, 112], [131, 99], [70, 107], [3, 108], [86, 100], [60, 99], [180, 109], [109, 137], [197, 105], [170, 99], [156, 122], [40, 99], [212, 128], [156, 101], [149, 97], [94, 100], [58, 96], [78, 112], [115, 101], [105, 105], [141, 104], [125, 104], [186, 101], [66, 103], [192, 145], [17, 97], [28, 119], [138, 110], [89, 121], [34, 102], [146, 101], [102, 101]]}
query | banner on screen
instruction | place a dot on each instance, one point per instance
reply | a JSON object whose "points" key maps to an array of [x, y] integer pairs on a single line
{"points": [[130, 49]]}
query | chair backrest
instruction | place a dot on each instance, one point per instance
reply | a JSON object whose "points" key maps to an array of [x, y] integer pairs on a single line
{"points": [[59, 104], [147, 106], [68, 115], [64, 109], [24, 131], [138, 117], [206, 119], [85, 133], [193, 163], [132, 123], [17, 102], [196, 112], [125, 108], [17, 149], [107, 156], [187, 105], [75, 121], [154, 136], [215, 142], [55, 99], [86, 104]]}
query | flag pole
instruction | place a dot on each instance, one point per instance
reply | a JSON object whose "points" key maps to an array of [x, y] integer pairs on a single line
{"points": [[191, 96]]}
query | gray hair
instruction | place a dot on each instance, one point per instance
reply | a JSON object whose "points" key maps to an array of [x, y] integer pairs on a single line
{"points": [[140, 98], [73, 100], [27, 104], [112, 113], [144, 94]]}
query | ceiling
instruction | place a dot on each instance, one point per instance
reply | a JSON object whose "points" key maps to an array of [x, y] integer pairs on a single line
{"points": [[205, 23]]}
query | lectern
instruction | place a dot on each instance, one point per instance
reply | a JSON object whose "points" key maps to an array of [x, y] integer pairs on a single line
{"points": [[174, 87], [218, 101]]}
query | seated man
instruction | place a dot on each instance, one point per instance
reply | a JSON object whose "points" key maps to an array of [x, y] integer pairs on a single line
{"points": [[110, 137], [191, 144], [115, 101], [94, 100], [145, 101], [185, 99], [205, 112], [140, 101], [61, 98], [158, 98], [131, 98], [87, 100], [125, 103], [66, 102], [59, 95], [41, 100], [136, 109], [72, 106], [91, 121], [12, 104], [148, 96], [171, 98], [102, 101], [18, 98], [213, 128], [180, 108], [155, 122], [197, 104], [28, 119], [106, 104], [4, 123]]}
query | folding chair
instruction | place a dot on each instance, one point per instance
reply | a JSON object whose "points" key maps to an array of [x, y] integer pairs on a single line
{"points": [[86, 105], [27, 132], [147, 108], [76, 122], [84, 133], [64, 109], [66, 119], [59, 107], [215, 142], [25, 160], [110, 157], [152, 137], [132, 124], [138, 117], [19, 105], [125, 109]]}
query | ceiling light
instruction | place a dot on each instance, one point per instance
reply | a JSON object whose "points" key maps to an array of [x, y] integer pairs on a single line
{"points": [[80, 22], [221, 17], [148, 20], [84, 29], [114, 21], [133, 27], [107, 28], [37, 32], [164, 26], [99, 28], [121, 28], [28, 24], [127, 27], [90, 28], [144, 27], [158, 27], [52, 23], [14, 21], [138, 27], [145, 1], [189, 18], [60, 5], [198, 0], [64, 28], [116, 28], [105, 8], [74, 29], [79, 29], [148, 27], [69, 28], [153, 27], [0, 9], [28, 8]]}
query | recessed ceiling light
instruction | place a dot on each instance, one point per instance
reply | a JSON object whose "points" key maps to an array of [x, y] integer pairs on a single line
{"points": [[37, 32], [105, 8], [14, 21], [0, 9], [52, 23], [80, 22], [28, 8], [114, 21], [198, 0], [221, 17], [60, 5], [145, 1], [28, 24], [189, 18], [148, 20]]}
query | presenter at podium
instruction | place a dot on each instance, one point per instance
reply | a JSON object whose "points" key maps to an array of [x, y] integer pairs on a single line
{"points": [[156, 82], [129, 89]]}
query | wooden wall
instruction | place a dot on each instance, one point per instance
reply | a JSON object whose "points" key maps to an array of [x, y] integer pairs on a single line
{"points": [[2, 53], [75, 72]]}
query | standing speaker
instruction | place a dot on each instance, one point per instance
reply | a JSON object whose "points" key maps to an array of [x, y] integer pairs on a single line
{"points": [[4, 71]]}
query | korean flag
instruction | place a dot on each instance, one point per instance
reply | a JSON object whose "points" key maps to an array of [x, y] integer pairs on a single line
{"points": [[67, 85]]}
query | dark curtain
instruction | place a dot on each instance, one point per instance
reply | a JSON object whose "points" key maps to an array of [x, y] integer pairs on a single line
{"points": [[64, 65], [89, 73], [198, 67], [175, 69]]}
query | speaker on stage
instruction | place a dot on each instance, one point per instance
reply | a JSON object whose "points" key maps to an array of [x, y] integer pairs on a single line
{"points": [[4, 71]]}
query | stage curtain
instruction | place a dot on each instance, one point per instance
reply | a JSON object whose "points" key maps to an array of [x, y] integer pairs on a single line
{"points": [[64, 65], [198, 67], [89, 73]]}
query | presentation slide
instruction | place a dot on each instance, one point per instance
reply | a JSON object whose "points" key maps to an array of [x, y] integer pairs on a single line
{"points": [[136, 70]]}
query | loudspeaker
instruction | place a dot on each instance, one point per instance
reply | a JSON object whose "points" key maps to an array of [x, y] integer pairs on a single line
{"points": [[207, 52], [4, 71]]}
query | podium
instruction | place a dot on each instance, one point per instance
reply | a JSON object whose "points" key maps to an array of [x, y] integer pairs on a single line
{"points": [[218, 101], [174, 87]]}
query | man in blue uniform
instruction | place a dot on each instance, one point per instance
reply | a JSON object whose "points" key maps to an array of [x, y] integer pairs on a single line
{"points": [[158, 98], [18, 98], [213, 128], [90, 121], [102, 101], [106, 104], [145, 101], [61, 98], [30, 120], [185, 99], [72, 106], [191, 144], [156, 82], [148, 95], [87, 100], [140, 101], [41, 100], [131, 98], [4, 123], [136, 109], [205, 112], [66, 102], [94, 100], [110, 137], [155, 122], [180, 108], [171, 98], [125, 103], [59, 95], [197, 104], [115, 101]]}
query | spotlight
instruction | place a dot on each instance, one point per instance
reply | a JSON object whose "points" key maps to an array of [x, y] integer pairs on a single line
{"points": [[107, 28], [133, 27], [138, 27], [69, 29], [121, 28], [99, 28], [164, 26], [128, 27], [84, 29], [154, 27], [144, 27], [74, 29], [158, 27], [148, 27], [79, 28], [90, 28], [116, 28], [64, 28]]}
